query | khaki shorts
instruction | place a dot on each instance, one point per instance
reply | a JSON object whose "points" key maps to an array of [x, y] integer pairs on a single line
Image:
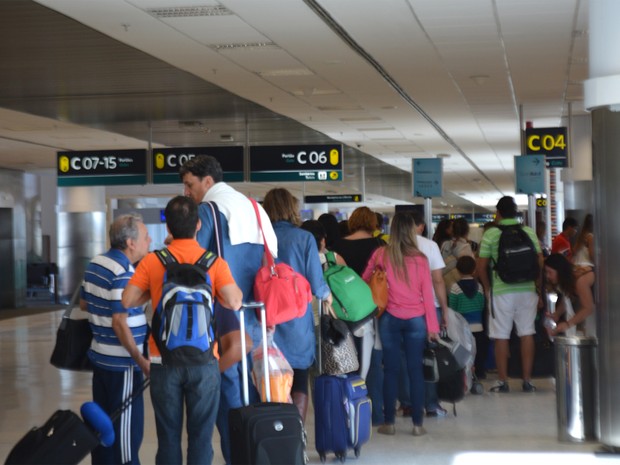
{"points": [[518, 308]]}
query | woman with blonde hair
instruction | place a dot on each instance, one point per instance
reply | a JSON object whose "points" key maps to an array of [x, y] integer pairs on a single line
{"points": [[298, 249], [409, 319]]}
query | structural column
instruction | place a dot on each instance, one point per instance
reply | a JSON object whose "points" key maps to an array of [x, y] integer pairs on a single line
{"points": [[81, 232], [602, 96]]}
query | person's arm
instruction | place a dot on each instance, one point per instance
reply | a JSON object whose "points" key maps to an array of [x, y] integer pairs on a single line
{"points": [[482, 269], [123, 332], [230, 296], [583, 288], [439, 286], [230, 347], [133, 296]]}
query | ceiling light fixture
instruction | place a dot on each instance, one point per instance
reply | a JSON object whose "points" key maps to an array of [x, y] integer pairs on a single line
{"points": [[189, 11], [480, 79], [244, 46], [286, 72]]}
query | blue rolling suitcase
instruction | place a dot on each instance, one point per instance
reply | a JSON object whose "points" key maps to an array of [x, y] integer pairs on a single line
{"points": [[342, 414]]}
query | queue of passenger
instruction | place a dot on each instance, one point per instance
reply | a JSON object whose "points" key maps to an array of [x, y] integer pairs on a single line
{"points": [[215, 217]]}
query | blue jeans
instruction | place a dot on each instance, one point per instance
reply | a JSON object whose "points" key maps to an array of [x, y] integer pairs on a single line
{"points": [[411, 333], [196, 390], [374, 383]]}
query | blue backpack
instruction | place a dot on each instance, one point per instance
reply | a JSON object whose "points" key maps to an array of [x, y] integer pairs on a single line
{"points": [[183, 319]]}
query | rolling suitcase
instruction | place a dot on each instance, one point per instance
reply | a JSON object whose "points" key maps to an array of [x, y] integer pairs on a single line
{"points": [[264, 433], [342, 414], [67, 439], [63, 439]]}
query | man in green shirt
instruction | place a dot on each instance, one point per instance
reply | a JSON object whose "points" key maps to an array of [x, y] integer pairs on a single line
{"points": [[511, 303]]}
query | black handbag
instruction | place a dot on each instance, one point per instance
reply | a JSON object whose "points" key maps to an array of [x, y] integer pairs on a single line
{"points": [[73, 339]]}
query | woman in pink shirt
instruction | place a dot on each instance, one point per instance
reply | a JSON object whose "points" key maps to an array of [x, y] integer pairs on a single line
{"points": [[409, 319]]}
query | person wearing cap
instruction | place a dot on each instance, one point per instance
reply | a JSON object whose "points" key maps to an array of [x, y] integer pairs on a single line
{"points": [[510, 303]]}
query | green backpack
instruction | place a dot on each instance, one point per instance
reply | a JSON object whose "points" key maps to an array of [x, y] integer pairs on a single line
{"points": [[352, 298]]}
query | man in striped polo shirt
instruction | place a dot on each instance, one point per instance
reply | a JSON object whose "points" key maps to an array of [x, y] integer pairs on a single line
{"points": [[510, 303], [116, 351]]}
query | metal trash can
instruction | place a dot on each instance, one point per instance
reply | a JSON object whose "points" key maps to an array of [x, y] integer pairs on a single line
{"points": [[576, 384]]}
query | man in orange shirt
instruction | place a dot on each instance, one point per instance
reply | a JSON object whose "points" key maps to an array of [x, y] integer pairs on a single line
{"points": [[561, 243], [194, 379]]}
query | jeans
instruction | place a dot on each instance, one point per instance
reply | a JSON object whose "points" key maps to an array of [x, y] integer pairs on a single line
{"points": [[374, 383], [411, 333], [230, 397], [196, 390]]}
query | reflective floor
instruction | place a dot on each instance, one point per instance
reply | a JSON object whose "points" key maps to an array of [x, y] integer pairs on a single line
{"points": [[494, 429]]}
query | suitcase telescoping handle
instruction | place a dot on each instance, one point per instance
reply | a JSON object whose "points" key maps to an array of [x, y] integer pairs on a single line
{"points": [[244, 361]]}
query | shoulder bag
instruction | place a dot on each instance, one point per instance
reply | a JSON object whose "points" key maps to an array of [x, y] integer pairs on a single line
{"points": [[73, 338], [285, 293]]}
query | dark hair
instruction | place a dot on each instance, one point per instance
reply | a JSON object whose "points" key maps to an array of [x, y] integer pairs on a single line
{"points": [[564, 268], [460, 228], [466, 264], [202, 166], [123, 228], [316, 229], [507, 207], [181, 217], [441, 233], [332, 231], [569, 222]]}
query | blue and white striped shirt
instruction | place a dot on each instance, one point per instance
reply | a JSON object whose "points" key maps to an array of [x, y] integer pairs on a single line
{"points": [[104, 281]]}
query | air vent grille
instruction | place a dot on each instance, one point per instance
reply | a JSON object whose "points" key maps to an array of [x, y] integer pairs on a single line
{"points": [[189, 11]]}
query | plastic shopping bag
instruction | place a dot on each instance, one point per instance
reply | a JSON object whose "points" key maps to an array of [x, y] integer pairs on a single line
{"points": [[280, 372]]}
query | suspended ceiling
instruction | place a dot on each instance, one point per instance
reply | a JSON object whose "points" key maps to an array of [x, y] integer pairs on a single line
{"points": [[392, 80]]}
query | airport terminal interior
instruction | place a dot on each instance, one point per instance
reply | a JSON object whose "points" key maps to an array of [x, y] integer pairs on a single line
{"points": [[488, 429], [442, 106]]}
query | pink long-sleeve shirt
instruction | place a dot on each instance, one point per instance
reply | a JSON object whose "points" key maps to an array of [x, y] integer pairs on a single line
{"points": [[407, 299]]}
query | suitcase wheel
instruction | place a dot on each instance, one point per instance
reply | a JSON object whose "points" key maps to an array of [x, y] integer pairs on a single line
{"points": [[477, 388], [357, 451]]}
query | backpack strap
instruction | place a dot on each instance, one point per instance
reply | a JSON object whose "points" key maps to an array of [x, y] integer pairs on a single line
{"points": [[206, 260], [165, 257], [330, 257], [217, 228]]}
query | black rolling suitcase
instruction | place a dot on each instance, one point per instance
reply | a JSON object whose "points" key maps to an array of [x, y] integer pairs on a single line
{"points": [[264, 433], [65, 438]]}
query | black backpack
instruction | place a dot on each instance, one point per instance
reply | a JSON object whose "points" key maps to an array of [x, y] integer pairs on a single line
{"points": [[517, 259]]}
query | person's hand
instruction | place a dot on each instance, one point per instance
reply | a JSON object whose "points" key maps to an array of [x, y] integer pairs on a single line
{"points": [[328, 309], [145, 365]]}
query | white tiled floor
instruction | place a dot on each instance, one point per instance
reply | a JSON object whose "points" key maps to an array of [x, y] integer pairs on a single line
{"points": [[500, 429]]}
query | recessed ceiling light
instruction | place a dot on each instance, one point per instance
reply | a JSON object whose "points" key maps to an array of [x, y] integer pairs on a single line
{"points": [[189, 11], [244, 46], [286, 72]]}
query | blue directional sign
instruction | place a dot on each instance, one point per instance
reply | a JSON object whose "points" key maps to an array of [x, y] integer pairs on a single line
{"points": [[530, 173], [427, 177]]}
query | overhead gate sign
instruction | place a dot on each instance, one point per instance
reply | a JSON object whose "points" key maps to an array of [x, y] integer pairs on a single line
{"points": [[296, 163], [101, 168]]}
